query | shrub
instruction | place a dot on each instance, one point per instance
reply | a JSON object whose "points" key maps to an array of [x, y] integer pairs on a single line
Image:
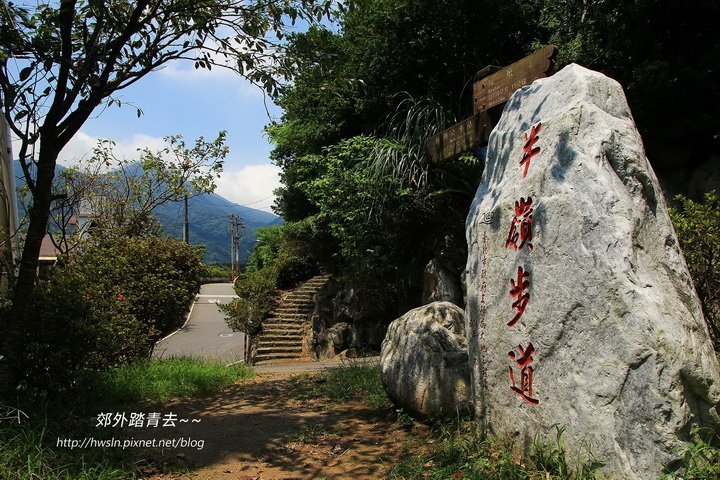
{"points": [[698, 228], [106, 307], [257, 298], [216, 271], [157, 277], [81, 327], [283, 257]]}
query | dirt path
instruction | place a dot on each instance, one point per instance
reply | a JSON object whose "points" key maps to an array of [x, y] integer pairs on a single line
{"points": [[262, 430]]}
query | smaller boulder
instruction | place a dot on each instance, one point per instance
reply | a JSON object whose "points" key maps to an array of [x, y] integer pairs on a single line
{"points": [[424, 361], [333, 340]]}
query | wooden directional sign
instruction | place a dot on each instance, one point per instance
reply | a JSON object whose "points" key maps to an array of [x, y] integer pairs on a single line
{"points": [[490, 90], [498, 87], [459, 138]]}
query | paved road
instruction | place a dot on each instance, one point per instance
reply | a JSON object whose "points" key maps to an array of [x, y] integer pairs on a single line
{"points": [[205, 335]]}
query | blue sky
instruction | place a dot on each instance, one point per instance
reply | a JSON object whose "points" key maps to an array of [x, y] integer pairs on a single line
{"points": [[180, 99]]}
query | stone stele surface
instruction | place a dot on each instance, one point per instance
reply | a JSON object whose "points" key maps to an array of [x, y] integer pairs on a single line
{"points": [[581, 312]]}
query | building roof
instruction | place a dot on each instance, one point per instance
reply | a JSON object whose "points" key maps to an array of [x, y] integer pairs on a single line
{"points": [[48, 252]]}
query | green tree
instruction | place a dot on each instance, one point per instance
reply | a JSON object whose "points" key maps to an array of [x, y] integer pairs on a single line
{"points": [[59, 61], [121, 194], [347, 83], [698, 228], [126, 196]]}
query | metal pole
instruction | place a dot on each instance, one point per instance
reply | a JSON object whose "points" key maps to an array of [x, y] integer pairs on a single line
{"points": [[186, 221], [233, 226], [8, 201]]}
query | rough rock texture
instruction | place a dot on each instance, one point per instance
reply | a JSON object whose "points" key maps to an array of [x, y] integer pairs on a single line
{"points": [[337, 303], [439, 284], [424, 362], [333, 340], [622, 357], [705, 178]]}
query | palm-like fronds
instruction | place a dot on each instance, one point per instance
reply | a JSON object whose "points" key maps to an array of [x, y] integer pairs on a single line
{"points": [[402, 154]]}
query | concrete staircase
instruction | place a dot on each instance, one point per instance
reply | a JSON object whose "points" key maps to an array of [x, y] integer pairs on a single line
{"points": [[284, 332]]}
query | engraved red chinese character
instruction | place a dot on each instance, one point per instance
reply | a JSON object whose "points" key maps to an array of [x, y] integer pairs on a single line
{"points": [[521, 226], [525, 389], [529, 149], [518, 290]]}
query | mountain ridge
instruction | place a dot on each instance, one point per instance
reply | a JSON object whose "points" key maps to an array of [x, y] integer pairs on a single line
{"points": [[209, 216]]}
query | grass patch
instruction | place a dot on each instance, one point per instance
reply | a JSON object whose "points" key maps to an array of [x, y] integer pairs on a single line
{"points": [[161, 380], [309, 435], [29, 450], [350, 382], [29, 447], [700, 458], [458, 451]]}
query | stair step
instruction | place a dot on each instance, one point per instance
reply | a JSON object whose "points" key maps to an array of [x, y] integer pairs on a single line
{"points": [[293, 322], [281, 349], [296, 306], [292, 311], [276, 356], [284, 332], [292, 317], [297, 301], [284, 339], [286, 314], [290, 329], [286, 318], [295, 328]]}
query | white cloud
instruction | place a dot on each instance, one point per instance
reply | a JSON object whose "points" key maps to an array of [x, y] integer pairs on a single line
{"points": [[184, 70], [81, 147], [253, 186]]}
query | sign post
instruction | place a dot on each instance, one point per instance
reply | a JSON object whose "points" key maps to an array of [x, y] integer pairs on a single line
{"points": [[493, 86]]}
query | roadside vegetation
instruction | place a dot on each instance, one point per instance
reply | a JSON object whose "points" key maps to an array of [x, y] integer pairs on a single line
{"points": [[217, 271], [105, 307], [453, 448], [28, 440], [697, 224], [351, 382], [160, 380]]}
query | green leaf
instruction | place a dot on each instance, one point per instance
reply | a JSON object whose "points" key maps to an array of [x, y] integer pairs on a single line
{"points": [[25, 73]]}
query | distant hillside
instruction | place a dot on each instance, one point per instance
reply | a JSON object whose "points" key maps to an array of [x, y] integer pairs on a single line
{"points": [[209, 222]]}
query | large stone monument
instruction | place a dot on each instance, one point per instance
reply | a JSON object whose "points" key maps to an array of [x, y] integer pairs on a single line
{"points": [[581, 312]]}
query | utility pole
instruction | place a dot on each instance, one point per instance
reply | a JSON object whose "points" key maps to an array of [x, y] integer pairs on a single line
{"points": [[236, 228], [186, 220], [8, 202], [233, 227]]}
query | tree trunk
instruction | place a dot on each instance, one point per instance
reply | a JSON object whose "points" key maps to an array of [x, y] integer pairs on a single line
{"points": [[19, 325]]}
